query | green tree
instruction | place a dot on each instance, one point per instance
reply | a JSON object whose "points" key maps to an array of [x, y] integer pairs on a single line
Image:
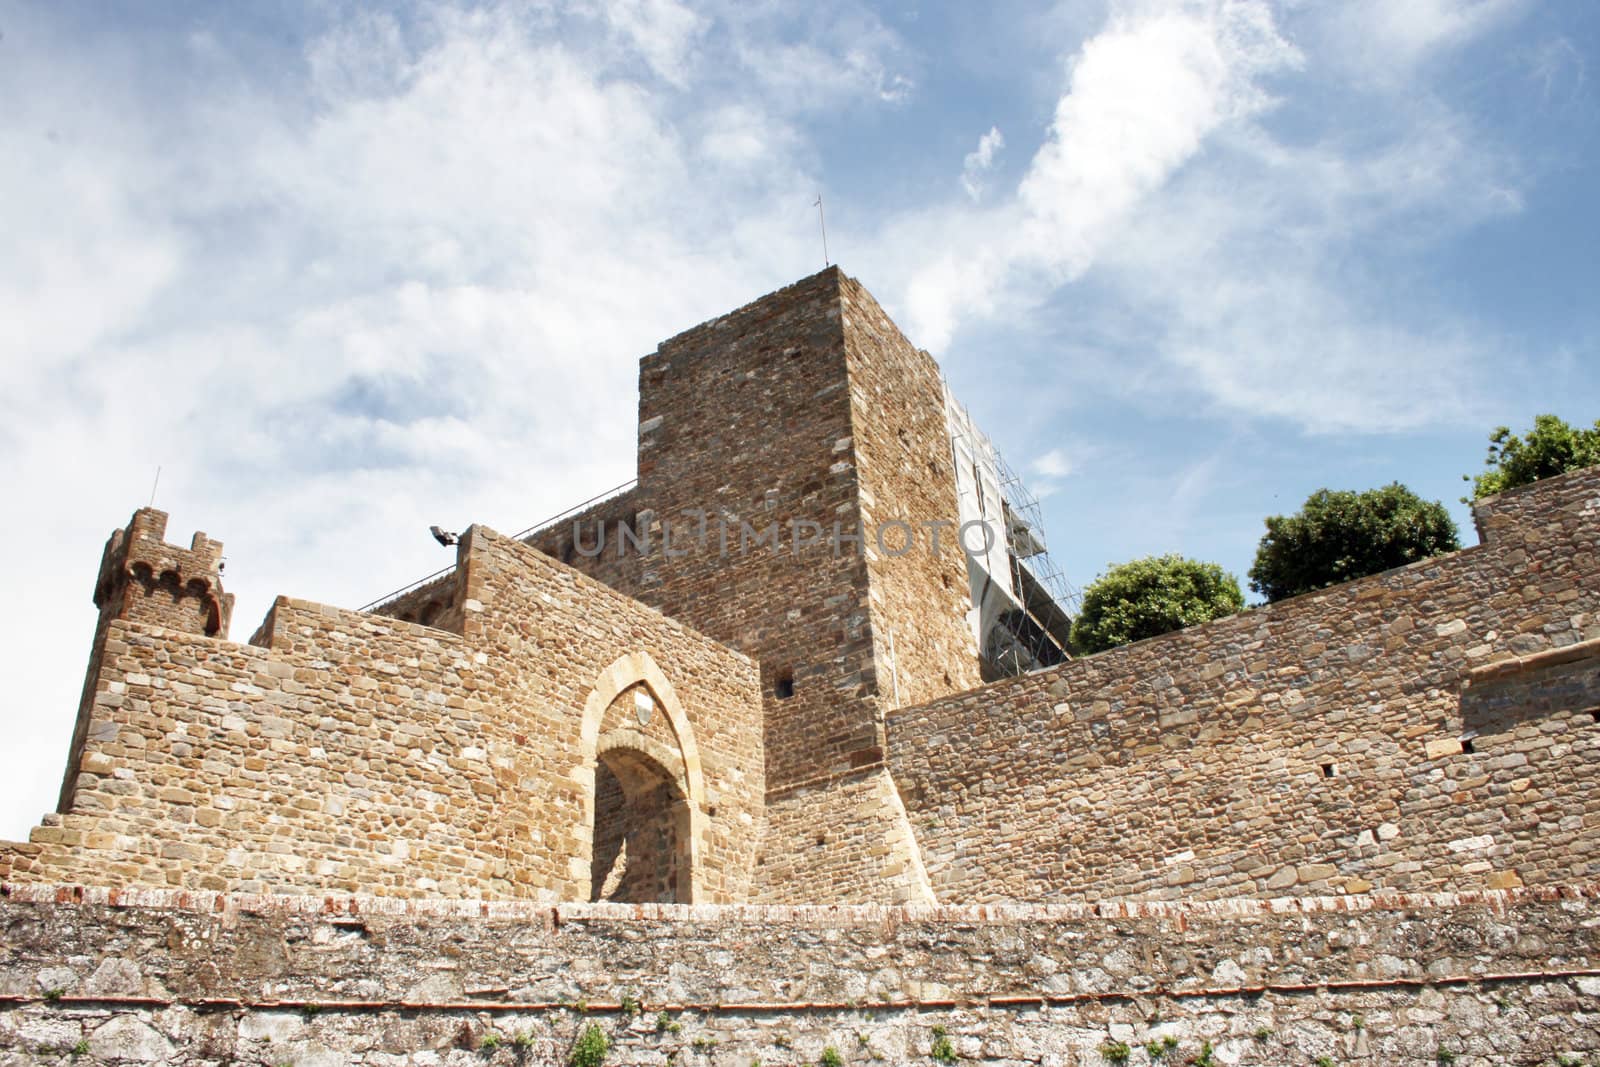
{"points": [[1340, 536], [1152, 596], [1551, 447]]}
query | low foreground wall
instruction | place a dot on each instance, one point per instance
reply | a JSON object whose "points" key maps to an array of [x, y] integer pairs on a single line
{"points": [[102, 976]]}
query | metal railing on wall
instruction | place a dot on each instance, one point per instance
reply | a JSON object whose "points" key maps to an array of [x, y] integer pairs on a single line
{"points": [[536, 528]]}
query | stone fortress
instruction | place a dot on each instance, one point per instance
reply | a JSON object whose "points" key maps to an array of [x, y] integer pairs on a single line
{"points": [[744, 744]]}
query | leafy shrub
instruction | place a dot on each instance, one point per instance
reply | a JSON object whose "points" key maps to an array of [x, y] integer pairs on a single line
{"points": [[1340, 536], [1152, 596], [1159, 1049], [590, 1049], [1551, 447], [1115, 1052]]}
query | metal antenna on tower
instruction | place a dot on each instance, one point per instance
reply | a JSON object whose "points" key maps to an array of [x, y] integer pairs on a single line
{"points": [[823, 222], [153, 486]]}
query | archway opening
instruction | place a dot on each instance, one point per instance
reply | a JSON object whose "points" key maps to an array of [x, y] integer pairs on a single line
{"points": [[641, 832]]}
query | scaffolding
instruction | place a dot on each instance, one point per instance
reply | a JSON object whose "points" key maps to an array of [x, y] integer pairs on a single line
{"points": [[1049, 600], [1022, 602]]}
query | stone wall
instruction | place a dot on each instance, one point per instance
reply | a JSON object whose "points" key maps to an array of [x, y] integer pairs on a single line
{"points": [[841, 839], [437, 603], [354, 751], [482, 734], [589, 541], [1433, 726], [1477, 980], [809, 410]]}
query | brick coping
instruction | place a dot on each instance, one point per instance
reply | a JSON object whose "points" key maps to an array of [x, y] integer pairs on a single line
{"points": [[823, 915]]}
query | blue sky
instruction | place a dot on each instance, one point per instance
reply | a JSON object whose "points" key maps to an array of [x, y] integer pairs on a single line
{"points": [[346, 270]]}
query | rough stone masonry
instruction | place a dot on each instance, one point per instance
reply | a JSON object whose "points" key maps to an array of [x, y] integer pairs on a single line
{"points": [[1360, 824]]}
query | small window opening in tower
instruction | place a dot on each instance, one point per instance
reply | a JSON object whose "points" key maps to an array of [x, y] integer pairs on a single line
{"points": [[1329, 770], [1466, 745], [783, 688]]}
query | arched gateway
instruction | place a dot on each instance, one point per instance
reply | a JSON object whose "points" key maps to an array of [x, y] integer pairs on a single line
{"points": [[644, 795]]}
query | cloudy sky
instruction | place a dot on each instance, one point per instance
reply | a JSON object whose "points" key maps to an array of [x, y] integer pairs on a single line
{"points": [[342, 271]]}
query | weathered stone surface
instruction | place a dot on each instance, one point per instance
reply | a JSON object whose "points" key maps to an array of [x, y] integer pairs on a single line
{"points": [[1265, 984], [128, 1038]]}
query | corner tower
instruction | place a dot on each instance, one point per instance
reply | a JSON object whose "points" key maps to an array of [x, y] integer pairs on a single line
{"points": [[144, 579]]}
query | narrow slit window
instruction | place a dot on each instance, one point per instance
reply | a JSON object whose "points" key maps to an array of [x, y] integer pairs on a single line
{"points": [[1330, 770], [783, 688]]}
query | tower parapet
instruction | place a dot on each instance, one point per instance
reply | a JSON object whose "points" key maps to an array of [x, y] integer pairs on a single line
{"points": [[144, 579]]}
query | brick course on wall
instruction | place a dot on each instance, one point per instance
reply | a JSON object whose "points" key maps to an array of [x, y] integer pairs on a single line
{"points": [[1311, 746], [1493, 978]]}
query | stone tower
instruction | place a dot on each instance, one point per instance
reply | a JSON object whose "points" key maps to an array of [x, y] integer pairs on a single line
{"points": [[791, 456], [144, 579]]}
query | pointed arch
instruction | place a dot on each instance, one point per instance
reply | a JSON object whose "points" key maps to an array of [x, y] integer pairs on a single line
{"points": [[638, 668]]}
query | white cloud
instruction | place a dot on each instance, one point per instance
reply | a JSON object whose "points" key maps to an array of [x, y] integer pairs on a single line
{"points": [[1269, 275], [663, 31], [1049, 470], [1559, 69], [1053, 464], [1254, 269], [980, 161], [829, 54], [1143, 96], [1386, 41]]}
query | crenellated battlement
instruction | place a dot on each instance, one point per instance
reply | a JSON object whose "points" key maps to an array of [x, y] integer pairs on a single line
{"points": [[144, 578]]}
